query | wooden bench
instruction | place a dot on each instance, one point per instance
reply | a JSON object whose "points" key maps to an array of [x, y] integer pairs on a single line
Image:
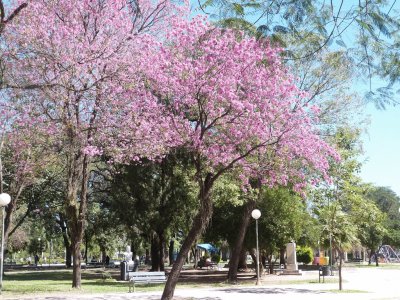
{"points": [[145, 278]]}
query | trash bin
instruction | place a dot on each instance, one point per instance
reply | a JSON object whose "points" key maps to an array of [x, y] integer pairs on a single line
{"points": [[124, 270], [326, 270]]}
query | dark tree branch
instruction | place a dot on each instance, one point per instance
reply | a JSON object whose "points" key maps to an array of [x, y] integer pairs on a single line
{"points": [[14, 13]]}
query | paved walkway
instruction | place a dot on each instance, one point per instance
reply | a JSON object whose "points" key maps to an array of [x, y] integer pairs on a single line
{"points": [[363, 283]]}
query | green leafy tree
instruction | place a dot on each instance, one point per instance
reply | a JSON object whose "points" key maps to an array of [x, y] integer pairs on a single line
{"points": [[389, 203], [340, 230], [155, 200], [337, 205], [283, 217], [370, 221]]}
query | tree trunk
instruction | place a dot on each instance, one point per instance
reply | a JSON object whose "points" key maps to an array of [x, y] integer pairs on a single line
{"points": [[61, 222], [270, 264], [78, 175], [376, 259], [282, 253], [76, 266], [147, 257], [68, 256], [161, 247], [199, 224], [237, 247], [103, 254], [171, 252], [196, 255], [263, 260], [86, 249], [155, 253], [370, 257], [243, 259]]}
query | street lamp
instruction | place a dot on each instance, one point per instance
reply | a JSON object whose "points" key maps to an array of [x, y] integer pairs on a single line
{"points": [[4, 200], [256, 214]]}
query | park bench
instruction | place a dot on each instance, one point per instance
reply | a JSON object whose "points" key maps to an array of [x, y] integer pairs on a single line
{"points": [[357, 260], [145, 278]]}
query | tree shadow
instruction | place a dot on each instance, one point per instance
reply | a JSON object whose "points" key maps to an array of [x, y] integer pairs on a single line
{"points": [[275, 290]]}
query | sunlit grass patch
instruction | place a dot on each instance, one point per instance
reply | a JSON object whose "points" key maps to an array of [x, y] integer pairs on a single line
{"points": [[56, 281]]}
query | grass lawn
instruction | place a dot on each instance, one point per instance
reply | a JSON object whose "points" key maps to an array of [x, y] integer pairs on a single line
{"points": [[28, 282], [53, 281]]}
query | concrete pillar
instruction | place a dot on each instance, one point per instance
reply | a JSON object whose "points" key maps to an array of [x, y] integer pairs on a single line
{"points": [[291, 257]]}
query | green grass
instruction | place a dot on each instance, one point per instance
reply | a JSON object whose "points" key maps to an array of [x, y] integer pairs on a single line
{"points": [[31, 282], [104, 281]]}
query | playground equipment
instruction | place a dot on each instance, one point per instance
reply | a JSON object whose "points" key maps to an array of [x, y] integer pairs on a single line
{"points": [[387, 253]]}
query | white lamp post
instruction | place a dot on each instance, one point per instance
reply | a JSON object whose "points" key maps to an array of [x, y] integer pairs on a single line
{"points": [[4, 200], [256, 214]]}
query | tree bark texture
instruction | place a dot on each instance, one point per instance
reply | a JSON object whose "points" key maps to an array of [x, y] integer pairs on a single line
{"points": [[161, 248], [78, 176], [155, 253], [199, 224], [66, 240], [237, 247], [243, 259], [171, 252]]}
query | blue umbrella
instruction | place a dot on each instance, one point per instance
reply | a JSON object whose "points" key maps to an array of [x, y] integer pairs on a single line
{"points": [[208, 247]]}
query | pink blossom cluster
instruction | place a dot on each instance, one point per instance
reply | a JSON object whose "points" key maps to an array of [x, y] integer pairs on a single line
{"points": [[236, 105], [85, 60], [136, 79]]}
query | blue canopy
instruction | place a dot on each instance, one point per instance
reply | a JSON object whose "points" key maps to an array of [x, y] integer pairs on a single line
{"points": [[208, 247]]}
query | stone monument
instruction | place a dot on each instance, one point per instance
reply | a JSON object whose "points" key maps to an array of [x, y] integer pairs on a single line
{"points": [[128, 258], [128, 254], [291, 260]]}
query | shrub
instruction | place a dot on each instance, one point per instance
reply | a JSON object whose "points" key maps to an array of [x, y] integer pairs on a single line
{"points": [[216, 258], [304, 254]]}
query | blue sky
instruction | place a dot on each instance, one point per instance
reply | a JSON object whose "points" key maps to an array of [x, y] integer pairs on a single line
{"points": [[382, 147]]}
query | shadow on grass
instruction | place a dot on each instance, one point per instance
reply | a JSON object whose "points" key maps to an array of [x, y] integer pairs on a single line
{"points": [[57, 275], [38, 275]]}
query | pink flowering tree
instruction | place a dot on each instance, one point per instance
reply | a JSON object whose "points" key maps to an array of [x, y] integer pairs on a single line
{"points": [[234, 107], [79, 64], [23, 156]]}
